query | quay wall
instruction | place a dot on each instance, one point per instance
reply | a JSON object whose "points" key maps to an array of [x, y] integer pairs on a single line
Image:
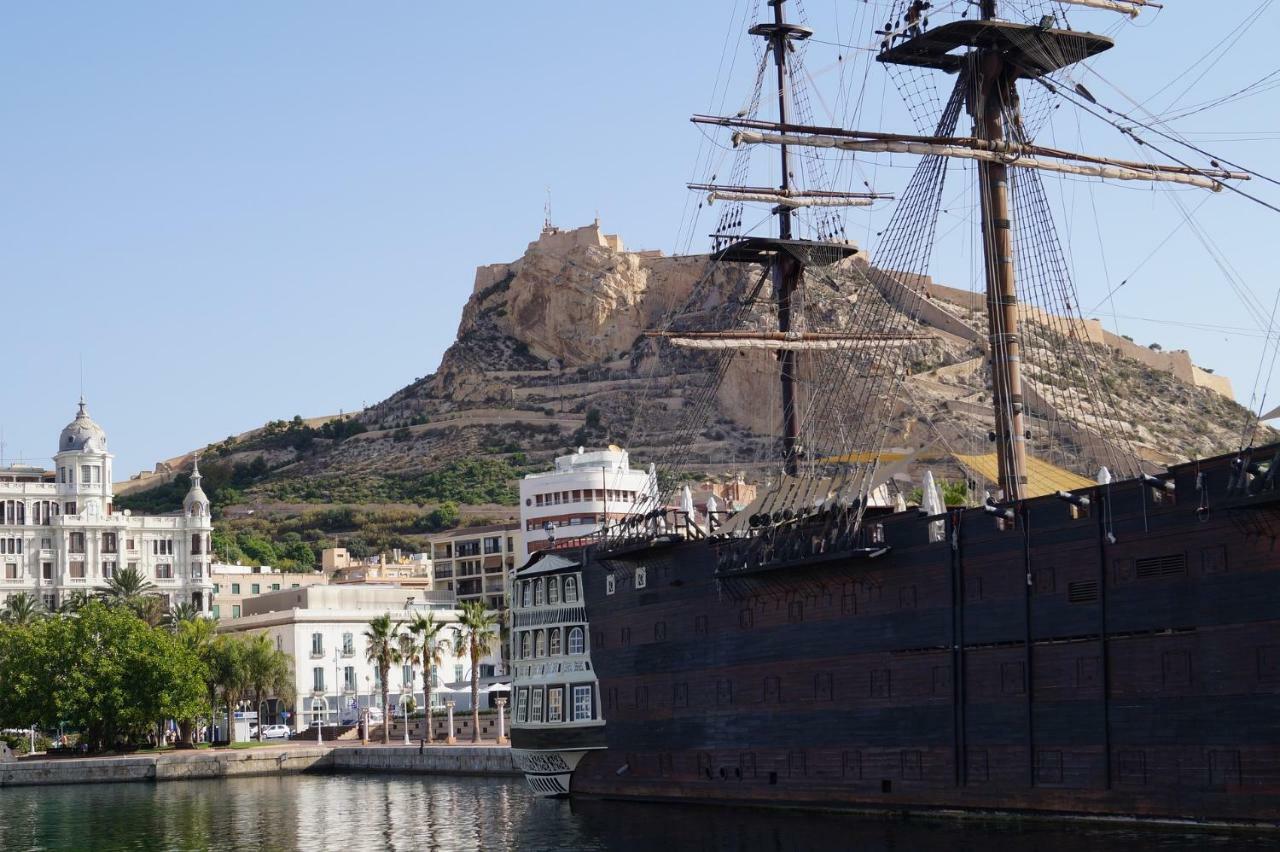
{"points": [[193, 765], [475, 760]]}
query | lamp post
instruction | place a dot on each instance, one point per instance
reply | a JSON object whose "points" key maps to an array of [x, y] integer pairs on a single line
{"points": [[502, 720], [404, 706], [450, 739]]}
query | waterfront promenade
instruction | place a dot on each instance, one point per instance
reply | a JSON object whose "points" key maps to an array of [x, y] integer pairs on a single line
{"points": [[285, 759]]}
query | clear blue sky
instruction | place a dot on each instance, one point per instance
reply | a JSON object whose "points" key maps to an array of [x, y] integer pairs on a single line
{"points": [[240, 211]]}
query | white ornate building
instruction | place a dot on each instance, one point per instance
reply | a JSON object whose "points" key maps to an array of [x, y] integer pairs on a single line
{"points": [[59, 533]]}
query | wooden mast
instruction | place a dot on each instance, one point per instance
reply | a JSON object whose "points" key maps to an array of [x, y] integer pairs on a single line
{"points": [[994, 89], [786, 272]]}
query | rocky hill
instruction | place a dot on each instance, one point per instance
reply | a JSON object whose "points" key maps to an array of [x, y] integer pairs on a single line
{"points": [[550, 354]]}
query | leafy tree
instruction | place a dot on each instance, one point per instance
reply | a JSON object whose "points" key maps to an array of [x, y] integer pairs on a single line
{"points": [[225, 547], [380, 649], [474, 635], [301, 553], [258, 550], [21, 609], [426, 632], [104, 671]]}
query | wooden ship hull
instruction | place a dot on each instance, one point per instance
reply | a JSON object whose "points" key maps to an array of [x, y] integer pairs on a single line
{"points": [[1120, 660]]}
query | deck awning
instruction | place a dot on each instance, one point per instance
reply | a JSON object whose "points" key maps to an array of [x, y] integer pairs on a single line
{"points": [[1042, 477]]}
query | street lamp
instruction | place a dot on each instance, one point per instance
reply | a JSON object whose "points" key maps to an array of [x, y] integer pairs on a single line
{"points": [[404, 705]]}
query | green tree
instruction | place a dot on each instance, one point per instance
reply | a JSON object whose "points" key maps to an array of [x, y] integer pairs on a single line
{"points": [[230, 672], [21, 609], [181, 612], [426, 632], [127, 587], [267, 671], [74, 602], [301, 553], [474, 636], [104, 671], [199, 635], [380, 649]]}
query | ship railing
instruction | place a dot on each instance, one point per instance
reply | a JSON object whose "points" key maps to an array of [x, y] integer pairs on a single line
{"points": [[796, 542], [660, 526]]}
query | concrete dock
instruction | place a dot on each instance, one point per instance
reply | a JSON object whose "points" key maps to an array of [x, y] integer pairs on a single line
{"points": [[287, 758]]}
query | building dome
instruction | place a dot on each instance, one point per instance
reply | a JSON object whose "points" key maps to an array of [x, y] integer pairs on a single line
{"points": [[82, 434], [195, 503]]}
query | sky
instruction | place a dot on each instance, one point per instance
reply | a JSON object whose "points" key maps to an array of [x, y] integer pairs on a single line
{"points": [[213, 215]]}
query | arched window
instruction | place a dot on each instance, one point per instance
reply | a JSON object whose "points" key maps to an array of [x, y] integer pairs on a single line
{"points": [[524, 645], [524, 593], [553, 590], [553, 644], [570, 589], [537, 592], [540, 644], [576, 641]]}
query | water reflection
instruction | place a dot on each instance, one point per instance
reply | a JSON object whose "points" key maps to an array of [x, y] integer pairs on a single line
{"points": [[401, 812]]}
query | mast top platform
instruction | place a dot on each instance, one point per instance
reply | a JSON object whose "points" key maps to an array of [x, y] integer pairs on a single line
{"points": [[1030, 50], [790, 31], [806, 252]]}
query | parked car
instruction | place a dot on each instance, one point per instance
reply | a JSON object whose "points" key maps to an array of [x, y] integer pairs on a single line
{"points": [[276, 732]]}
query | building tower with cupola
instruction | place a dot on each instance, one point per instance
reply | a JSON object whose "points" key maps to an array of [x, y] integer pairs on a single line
{"points": [[61, 538]]}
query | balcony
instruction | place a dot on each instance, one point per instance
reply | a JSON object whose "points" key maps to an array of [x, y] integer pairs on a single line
{"points": [[317, 655]]}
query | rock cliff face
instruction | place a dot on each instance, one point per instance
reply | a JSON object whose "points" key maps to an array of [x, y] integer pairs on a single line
{"points": [[551, 353]]}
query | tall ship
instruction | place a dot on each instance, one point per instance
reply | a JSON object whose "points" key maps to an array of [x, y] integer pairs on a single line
{"points": [[1082, 632]]}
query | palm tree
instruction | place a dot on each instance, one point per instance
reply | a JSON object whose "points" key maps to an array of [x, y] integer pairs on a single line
{"points": [[21, 609], [151, 609], [127, 586], [230, 673], [181, 612], [200, 635], [267, 670], [431, 653], [380, 649], [408, 653], [474, 635], [74, 602]]}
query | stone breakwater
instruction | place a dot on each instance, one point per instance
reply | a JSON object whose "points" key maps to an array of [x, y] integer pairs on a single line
{"points": [[286, 760]]}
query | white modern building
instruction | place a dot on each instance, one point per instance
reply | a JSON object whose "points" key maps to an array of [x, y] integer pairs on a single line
{"points": [[585, 490], [322, 629], [59, 533]]}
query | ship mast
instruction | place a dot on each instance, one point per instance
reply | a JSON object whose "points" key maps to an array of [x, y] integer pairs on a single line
{"points": [[995, 90], [785, 272]]}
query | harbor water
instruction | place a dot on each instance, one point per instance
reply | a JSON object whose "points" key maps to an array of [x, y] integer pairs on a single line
{"points": [[398, 812]]}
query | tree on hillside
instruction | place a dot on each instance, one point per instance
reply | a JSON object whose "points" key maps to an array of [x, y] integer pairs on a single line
{"points": [[427, 632], [380, 649], [474, 635]]}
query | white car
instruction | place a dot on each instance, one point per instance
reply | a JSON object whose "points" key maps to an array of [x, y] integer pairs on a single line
{"points": [[275, 732]]}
